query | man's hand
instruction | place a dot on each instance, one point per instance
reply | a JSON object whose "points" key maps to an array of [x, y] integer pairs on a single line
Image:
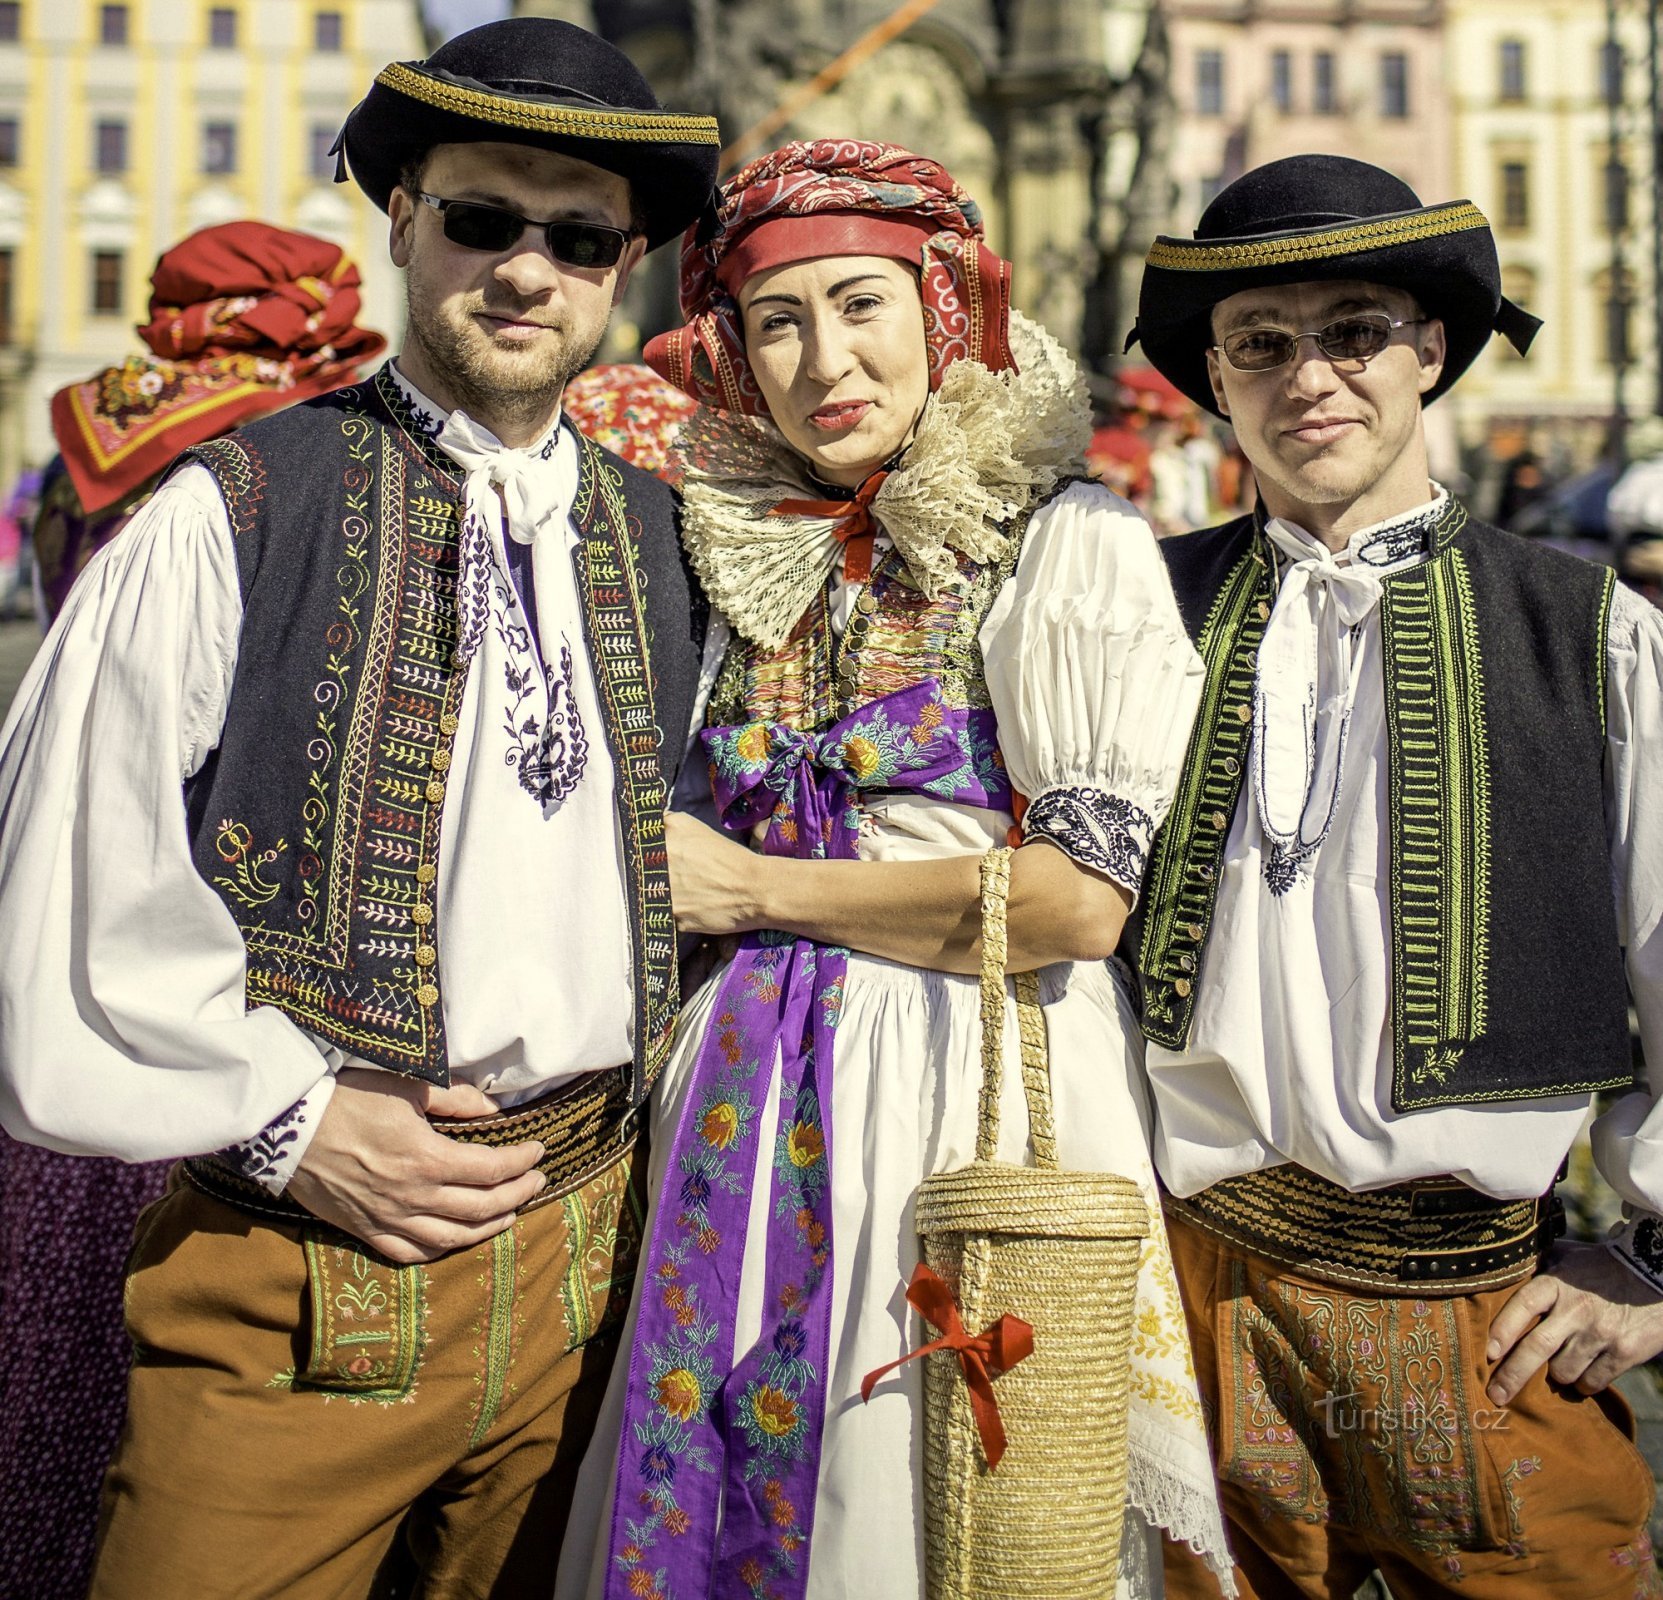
{"points": [[376, 1169], [714, 880], [1597, 1319]]}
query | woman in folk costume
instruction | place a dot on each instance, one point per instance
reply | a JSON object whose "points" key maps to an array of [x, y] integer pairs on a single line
{"points": [[244, 318], [931, 618]]}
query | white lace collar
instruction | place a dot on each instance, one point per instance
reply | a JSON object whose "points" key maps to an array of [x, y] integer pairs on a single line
{"points": [[988, 447]]}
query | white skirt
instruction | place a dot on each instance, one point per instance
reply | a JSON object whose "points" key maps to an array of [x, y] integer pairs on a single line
{"points": [[904, 1102]]}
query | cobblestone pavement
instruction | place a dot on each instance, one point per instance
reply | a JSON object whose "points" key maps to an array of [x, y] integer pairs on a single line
{"points": [[1589, 1204]]}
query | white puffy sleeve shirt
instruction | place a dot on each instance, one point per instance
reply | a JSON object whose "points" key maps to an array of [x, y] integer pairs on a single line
{"points": [[1289, 1050], [1093, 680], [122, 1025], [123, 1029]]}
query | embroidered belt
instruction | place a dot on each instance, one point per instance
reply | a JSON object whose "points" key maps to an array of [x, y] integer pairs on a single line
{"points": [[584, 1126], [1432, 1236]]}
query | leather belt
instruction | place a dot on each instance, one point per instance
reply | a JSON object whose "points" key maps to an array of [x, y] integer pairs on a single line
{"points": [[1432, 1236], [585, 1126]]}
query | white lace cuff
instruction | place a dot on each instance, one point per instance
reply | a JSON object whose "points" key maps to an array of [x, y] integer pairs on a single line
{"points": [[272, 1155], [1095, 828], [1638, 1244]]}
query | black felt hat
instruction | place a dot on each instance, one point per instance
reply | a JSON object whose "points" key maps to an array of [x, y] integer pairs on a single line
{"points": [[532, 80], [1313, 218]]}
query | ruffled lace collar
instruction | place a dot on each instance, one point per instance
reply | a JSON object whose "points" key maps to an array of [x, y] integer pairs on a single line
{"points": [[989, 446]]}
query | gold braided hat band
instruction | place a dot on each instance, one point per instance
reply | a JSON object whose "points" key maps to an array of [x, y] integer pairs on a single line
{"points": [[1372, 233], [539, 116]]}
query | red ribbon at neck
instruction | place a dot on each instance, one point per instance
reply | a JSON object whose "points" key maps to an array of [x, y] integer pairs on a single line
{"points": [[981, 1359], [856, 526]]}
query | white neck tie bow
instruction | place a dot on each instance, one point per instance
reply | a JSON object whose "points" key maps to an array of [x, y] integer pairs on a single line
{"points": [[520, 495], [1303, 696]]}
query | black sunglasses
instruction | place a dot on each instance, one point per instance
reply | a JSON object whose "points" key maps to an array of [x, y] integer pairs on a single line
{"points": [[481, 227], [1354, 338]]}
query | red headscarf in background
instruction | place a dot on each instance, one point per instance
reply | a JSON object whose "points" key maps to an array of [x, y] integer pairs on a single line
{"points": [[244, 318], [827, 197], [632, 412]]}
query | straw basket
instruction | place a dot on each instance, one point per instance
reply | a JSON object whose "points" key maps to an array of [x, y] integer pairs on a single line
{"points": [[1059, 1250]]}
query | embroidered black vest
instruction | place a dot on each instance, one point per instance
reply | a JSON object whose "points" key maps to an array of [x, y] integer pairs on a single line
{"points": [[317, 817], [1507, 976]]}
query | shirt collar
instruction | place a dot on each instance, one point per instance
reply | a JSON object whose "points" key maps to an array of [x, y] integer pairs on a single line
{"points": [[1389, 546], [428, 418]]}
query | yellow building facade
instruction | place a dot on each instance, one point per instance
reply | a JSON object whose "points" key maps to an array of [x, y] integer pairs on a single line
{"points": [[124, 127], [1533, 84]]}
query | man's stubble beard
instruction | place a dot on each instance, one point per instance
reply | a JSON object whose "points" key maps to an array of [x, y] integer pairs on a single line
{"points": [[517, 391]]}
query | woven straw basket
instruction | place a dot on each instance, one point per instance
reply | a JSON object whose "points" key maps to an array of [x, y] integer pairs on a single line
{"points": [[1059, 1250]]}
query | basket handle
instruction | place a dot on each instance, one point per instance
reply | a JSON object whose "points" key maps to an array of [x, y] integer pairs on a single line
{"points": [[1030, 1022]]}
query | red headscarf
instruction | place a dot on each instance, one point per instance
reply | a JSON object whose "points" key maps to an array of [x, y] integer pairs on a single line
{"points": [[828, 197], [244, 318], [632, 412]]}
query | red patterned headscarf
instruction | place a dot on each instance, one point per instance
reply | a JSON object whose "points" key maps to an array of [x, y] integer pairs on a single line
{"points": [[632, 412], [244, 318], [826, 197]]}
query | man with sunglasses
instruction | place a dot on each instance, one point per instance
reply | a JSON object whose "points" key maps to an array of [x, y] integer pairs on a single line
{"points": [[401, 955], [1382, 938]]}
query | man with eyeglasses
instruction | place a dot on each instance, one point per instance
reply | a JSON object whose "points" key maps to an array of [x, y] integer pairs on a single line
{"points": [[1384, 934], [332, 843]]}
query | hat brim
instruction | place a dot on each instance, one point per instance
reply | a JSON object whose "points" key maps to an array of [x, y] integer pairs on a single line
{"points": [[668, 158], [1444, 256]]}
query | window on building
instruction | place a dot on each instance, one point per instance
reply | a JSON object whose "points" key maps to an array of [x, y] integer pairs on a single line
{"points": [[1394, 84], [109, 140], [1515, 195], [1209, 83], [1614, 177], [107, 268], [1324, 92], [1512, 69], [9, 142], [222, 28], [1616, 300], [112, 26], [1612, 71], [11, 21], [326, 31], [320, 163], [1281, 80], [8, 276], [219, 147], [1210, 186]]}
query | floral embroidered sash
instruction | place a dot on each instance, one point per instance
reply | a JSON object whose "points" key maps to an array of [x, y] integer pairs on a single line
{"points": [[710, 1434]]}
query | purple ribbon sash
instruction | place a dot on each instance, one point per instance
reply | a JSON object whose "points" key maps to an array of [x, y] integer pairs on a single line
{"points": [[719, 1457]]}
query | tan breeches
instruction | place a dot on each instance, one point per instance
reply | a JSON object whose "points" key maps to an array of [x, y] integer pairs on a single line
{"points": [[296, 1404], [1352, 1432]]}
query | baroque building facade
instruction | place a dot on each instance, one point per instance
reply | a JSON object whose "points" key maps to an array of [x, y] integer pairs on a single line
{"points": [[124, 127], [1553, 139], [1034, 107]]}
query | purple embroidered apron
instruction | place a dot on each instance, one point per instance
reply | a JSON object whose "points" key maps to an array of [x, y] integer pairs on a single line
{"points": [[712, 1436]]}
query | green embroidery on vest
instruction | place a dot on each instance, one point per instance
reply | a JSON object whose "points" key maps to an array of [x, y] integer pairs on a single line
{"points": [[368, 844], [1441, 800], [616, 622], [1182, 883], [1601, 634]]}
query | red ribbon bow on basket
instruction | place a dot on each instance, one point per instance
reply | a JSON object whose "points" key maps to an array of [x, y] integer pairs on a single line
{"points": [[856, 526], [983, 1358]]}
